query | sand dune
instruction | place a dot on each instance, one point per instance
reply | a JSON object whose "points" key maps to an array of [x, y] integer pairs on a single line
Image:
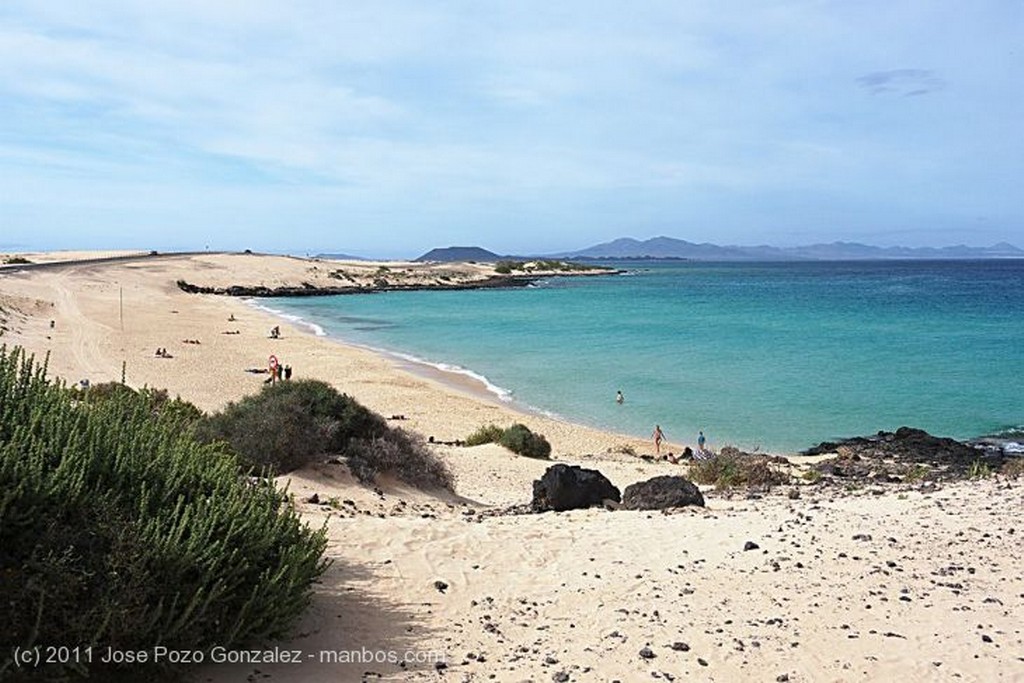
{"points": [[893, 584]]}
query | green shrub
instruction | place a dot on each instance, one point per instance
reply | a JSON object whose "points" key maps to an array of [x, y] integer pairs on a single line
{"points": [[16, 260], [159, 401], [119, 530], [402, 454], [290, 424], [506, 267], [519, 439], [489, 434]]}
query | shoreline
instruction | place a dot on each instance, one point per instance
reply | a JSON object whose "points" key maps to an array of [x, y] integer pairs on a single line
{"points": [[466, 381], [94, 334], [451, 377]]}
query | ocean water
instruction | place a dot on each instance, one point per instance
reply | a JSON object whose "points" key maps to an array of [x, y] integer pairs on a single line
{"points": [[773, 355]]}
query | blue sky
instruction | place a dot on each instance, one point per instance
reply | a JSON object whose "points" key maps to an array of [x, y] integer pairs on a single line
{"points": [[391, 127]]}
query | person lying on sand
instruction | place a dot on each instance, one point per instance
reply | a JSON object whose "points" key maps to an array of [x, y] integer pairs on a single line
{"points": [[687, 454]]}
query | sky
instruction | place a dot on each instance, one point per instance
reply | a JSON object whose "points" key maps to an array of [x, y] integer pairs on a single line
{"points": [[388, 128]]}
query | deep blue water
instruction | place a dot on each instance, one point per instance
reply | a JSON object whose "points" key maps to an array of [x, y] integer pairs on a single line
{"points": [[780, 355]]}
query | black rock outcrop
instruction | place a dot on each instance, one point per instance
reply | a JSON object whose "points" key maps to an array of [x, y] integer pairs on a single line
{"points": [[907, 452], [660, 493], [380, 285], [571, 487]]}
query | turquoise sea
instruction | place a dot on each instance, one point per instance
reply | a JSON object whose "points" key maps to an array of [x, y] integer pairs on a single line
{"points": [[776, 355]]}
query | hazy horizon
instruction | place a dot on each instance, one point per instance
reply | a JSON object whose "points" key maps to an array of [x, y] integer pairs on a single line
{"points": [[391, 129]]}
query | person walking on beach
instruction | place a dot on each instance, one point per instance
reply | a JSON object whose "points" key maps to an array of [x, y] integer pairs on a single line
{"points": [[658, 437], [700, 441], [619, 398]]}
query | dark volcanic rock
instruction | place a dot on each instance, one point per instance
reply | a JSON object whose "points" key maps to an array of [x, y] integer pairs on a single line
{"points": [[907, 453], [661, 492], [570, 487], [380, 285]]}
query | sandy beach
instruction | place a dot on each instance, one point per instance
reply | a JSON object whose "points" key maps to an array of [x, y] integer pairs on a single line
{"points": [[887, 583]]}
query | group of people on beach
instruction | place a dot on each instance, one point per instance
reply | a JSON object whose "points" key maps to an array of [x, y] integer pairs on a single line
{"points": [[278, 372], [659, 436], [687, 454]]}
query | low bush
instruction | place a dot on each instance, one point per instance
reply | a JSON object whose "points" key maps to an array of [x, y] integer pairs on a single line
{"points": [[519, 439], [159, 401], [506, 267], [290, 424], [119, 530], [731, 468], [401, 453], [489, 434]]}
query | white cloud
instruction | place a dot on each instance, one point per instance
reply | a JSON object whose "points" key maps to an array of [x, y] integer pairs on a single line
{"points": [[546, 107]]}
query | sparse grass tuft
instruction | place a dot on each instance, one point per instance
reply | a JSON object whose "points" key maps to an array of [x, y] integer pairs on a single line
{"points": [[1013, 468], [733, 468], [916, 473], [979, 470], [811, 475]]}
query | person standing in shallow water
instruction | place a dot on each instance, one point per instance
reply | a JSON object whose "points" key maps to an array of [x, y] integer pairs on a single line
{"points": [[658, 437], [700, 441], [619, 398]]}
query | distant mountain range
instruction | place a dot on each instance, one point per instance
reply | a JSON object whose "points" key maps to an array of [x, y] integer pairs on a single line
{"points": [[671, 248]]}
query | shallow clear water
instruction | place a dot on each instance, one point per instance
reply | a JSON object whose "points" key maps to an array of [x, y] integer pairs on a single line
{"points": [[777, 355]]}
